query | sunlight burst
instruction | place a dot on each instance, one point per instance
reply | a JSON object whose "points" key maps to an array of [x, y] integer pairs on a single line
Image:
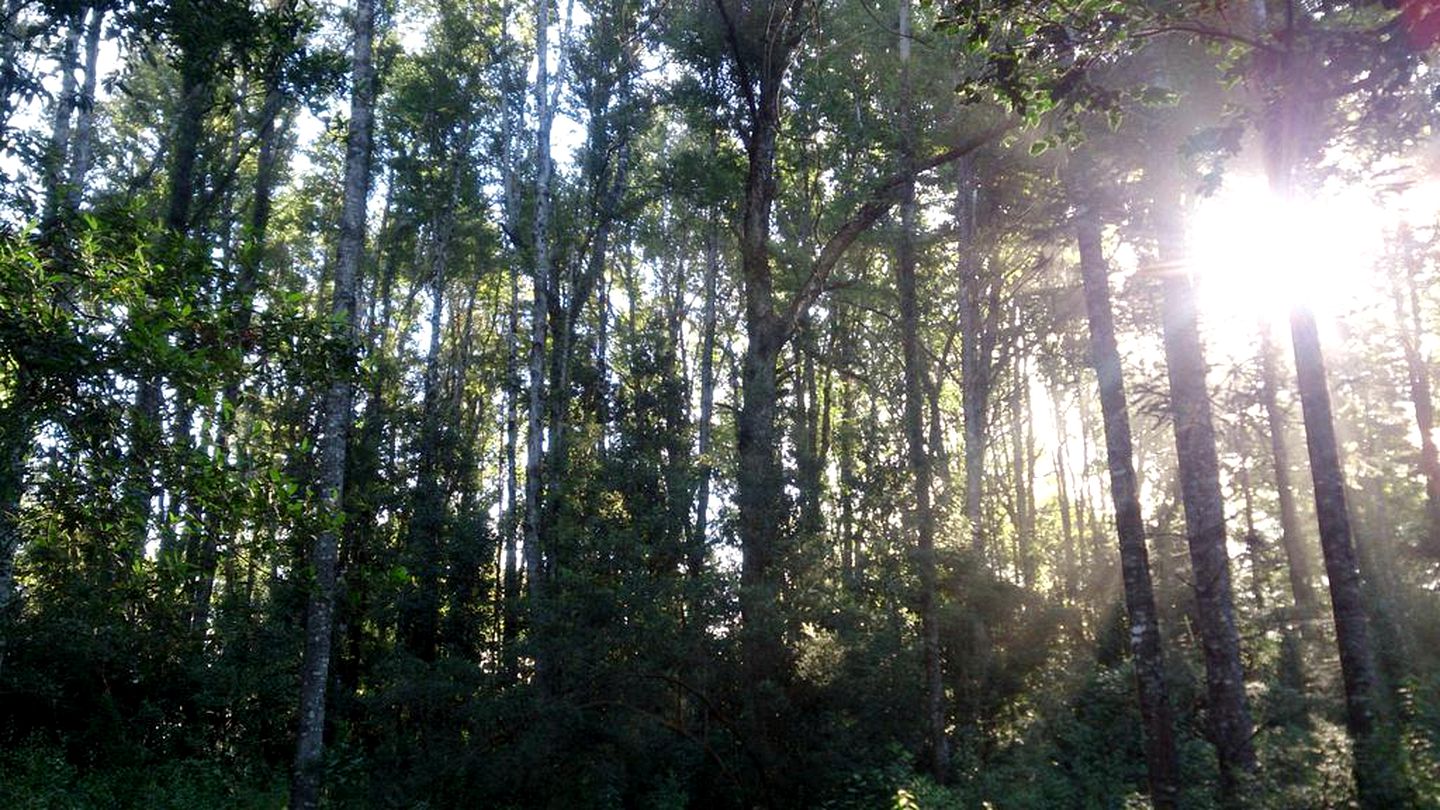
{"points": [[1254, 255]]}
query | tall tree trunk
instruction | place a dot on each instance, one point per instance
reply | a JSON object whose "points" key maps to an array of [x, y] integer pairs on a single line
{"points": [[1410, 320], [845, 453], [809, 466], [1022, 483], [1162, 763], [510, 523], [185, 153], [1373, 772], [1285, 140], [541, 273], [320, 608], [420, 624], [1296, 555], [15, 441], [82, 153], [1254, 546], [915, 402], [698, 542], [1062, 499], [59, 150], [613, 182], [760, 480], [1230, 725], [974, 359]]}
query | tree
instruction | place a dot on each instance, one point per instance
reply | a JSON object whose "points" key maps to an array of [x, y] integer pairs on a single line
{"points": [[1162, 762], [337, 416], [1199, 473]]}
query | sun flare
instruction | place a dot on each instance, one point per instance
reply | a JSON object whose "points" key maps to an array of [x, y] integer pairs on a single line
{"points": [[1254, 255]]}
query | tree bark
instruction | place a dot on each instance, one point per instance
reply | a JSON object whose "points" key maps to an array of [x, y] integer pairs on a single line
{"points": [[1062, 499], [320, 608], [1023, 480], [1229, 713], [82, 153], [1299, 566], [698, 540], [510, 523], [1357, 663], [974, 359], [16, 424], [921, 472], [185, 153], [1410, 320], [1162, 762], [58, 153], [541, 272], [420, 624]]}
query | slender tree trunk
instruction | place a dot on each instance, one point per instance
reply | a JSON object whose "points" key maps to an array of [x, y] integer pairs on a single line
{"points": [[65, 103], [915, 401], [1019, 461], [845, 452], [1410, 320], [511, 521], [15, 442], [974, 360], [510, 524], [320, 608], [1162, 763], [1230, 725], [539, 310], [1373, 773], [82, 153], [567, 316], [420, 625], [1298, 558], [698, 542], [809, 469], [1062, 499], [1254, 546], [185, 153], [760, 479]]}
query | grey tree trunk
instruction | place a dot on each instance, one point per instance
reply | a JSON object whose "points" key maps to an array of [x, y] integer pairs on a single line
{"points": [[1161, 760], [65, 102], [539, 307], [15, 440], [510, 525], [511, 124], [320, 607], [921, 472], [1062, 499], [1023, 483], [189, 128], [698, 543], [1230, 725], [420, 618], [1374, 773], [82, 151], [1299, 566], [1409, 318], [974, 358]]}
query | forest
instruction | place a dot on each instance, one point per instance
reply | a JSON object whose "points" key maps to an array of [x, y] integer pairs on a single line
{"points": [[660, 404]]}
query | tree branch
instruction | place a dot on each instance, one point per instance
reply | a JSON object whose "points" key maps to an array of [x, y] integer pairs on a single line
{"points": [[882, 199]]}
